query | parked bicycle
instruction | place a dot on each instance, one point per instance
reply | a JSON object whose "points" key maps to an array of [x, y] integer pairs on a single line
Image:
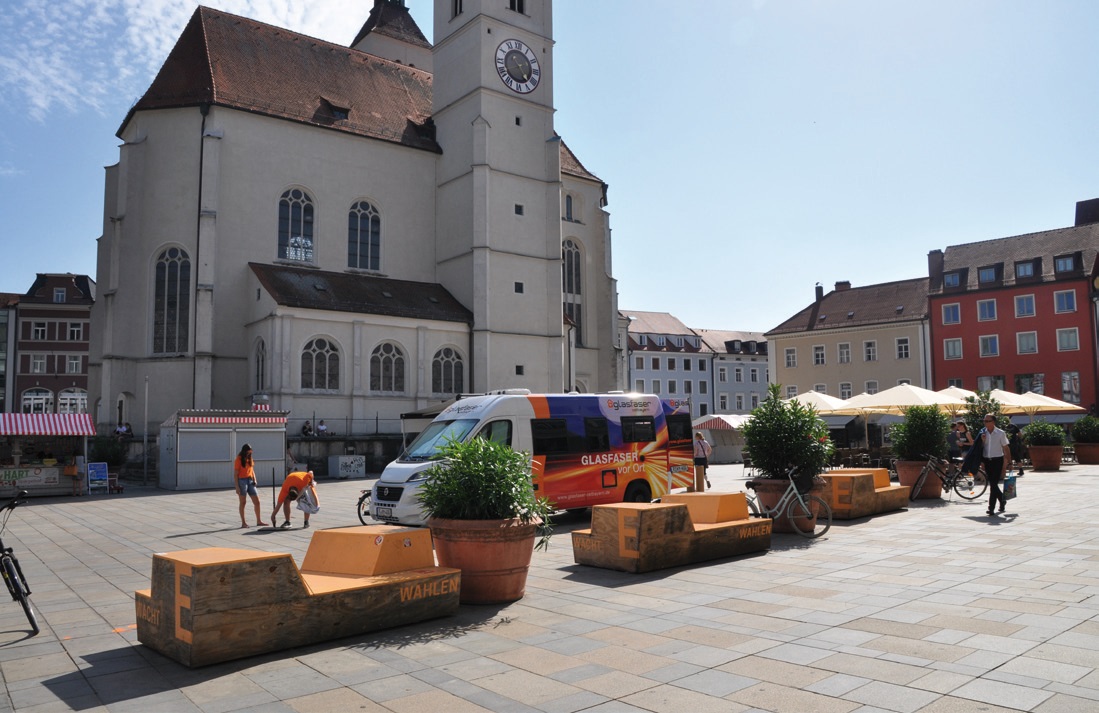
{"points": [[809, 515], [13, 574], [364, 508], [966, 485]]}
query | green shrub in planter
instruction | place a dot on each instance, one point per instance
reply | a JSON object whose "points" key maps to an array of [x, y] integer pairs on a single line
{"points": [[784, 433], [484, 480], [922, 433], [1086, 430], [1044, 433]]}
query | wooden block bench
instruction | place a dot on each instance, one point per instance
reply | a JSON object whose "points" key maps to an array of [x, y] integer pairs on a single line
{"points": [[858, 492], [217, 604], [682, 529]]}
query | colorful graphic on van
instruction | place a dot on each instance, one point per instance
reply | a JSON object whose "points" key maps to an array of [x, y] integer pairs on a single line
{"points": [[606, 449]]}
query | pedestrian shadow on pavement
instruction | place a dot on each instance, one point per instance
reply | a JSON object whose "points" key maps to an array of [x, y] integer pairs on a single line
{"points": [[1001, 519]]}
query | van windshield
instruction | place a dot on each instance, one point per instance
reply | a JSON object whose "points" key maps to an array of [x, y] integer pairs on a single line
{"points": [[438, 433]]}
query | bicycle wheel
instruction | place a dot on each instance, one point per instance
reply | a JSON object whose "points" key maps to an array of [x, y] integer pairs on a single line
{"points": [[918, 485], [19, 591], [811, 519], [968, 487], [364, 508]]}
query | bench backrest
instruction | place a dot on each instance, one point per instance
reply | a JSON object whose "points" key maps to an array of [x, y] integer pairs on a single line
{"points": [[709, 508], [368, 550]]}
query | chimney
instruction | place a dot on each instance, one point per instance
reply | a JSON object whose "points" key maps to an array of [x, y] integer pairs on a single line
{"points": [[1087, 212], [935, 270], [842, 285], [820, 292]]}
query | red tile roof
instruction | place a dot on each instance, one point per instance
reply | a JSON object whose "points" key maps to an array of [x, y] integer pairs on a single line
{"points": [[227, 60], [572, 166], [392, 19], [901, 301]]}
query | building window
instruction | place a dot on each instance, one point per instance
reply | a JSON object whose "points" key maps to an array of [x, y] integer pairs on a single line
{"points": [[701, 364], [1065, 263], [59, 295], [639, 363], [72, 401], [1026, 342], [990, 345], [740, 401], [820, 388], [172, 302], [688, 387], [656, 363], [844, 353], [73, 365], [387, 368], [845, 389], [455, 8], [738, 375], [722, 375], [447, 372], [872, 387], [639, 386], [656, 386], [723, 402], [686, 365], [296, 226], [1024, 269], [320, 365], [568, 208], [791, 391], [702, 388], [1064, 301], [988, 383], [870, 351], [516, 5], [818, 355], [259, 366], [986, 310], [954, 382], [952, 313], [902, 348], [1070, 386], [952, 279], [672, 386], [986, 275], [38, 331], [791, 357], [1024, 305], [753, 373], [755, 400], [1068, 340], [671, 364], [364, 237], [952, 349], [76, 332], [38, 363], [37, 401], [572, 287]]}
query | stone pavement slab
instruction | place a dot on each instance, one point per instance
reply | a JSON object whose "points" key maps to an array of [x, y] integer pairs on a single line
{"points": [[935, 609]]}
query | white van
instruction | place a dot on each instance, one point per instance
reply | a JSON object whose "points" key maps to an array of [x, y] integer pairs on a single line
{"points": [[586, 449]]}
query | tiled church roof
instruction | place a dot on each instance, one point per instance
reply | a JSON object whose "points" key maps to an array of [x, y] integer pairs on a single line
{"points": [[227, 60], [365, 294], [392, 19], [572, 166]]}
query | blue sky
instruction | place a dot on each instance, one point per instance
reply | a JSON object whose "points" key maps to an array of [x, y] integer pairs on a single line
{"points": [[753, 147]]}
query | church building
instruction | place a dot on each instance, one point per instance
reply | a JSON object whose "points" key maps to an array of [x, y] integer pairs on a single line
{"points": [[351, 233]]}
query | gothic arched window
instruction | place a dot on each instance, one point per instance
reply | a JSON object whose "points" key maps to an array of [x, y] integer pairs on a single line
{"points": [[387, 368], [171, 302], [320, 365], [447, 372], [296, 226], [571, 286], [364, 237]]}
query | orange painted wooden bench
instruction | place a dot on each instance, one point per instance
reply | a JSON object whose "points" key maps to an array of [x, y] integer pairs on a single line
{"points": [[683, 528], [858, 492], [217, 604]]}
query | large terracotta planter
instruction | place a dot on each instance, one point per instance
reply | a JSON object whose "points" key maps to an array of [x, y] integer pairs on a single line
{"points": [[494, 556], [1087, 453], [1046, 458], [908, 472], [769, 491]]}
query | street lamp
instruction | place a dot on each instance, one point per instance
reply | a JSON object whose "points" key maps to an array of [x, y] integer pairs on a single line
{"points": [[145, 437]]}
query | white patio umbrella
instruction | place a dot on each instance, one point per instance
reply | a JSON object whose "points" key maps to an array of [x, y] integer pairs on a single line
{"points": [[958, 393], [823, 403], [896, 399], [1032, 403]]}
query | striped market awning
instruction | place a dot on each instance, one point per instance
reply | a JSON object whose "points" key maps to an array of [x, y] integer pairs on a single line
{"points": [[46, 424], [251, 418]]}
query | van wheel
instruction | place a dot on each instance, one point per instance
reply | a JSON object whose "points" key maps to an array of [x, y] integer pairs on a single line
{"points": [[638, 492]]}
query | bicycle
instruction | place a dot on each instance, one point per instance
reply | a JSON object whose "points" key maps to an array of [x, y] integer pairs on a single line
{"points": [[364, 508], [965, 485], [809, 515], [9, 565]]}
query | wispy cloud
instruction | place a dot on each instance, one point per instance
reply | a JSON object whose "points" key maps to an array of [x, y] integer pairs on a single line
{"points": [[8, 169], [91, 54]]}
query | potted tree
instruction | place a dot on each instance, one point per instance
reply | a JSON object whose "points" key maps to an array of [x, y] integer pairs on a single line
{"points": [[1085, 435], [922, 433], [484, 518], [781, 434], [1045, 443]]}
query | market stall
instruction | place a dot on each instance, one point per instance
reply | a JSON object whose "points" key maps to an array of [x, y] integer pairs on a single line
{"points": [[38, 449], [197, 448]]}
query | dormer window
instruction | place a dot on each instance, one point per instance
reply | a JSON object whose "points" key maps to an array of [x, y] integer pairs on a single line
{"points": [[59, 295], [1064, 263], [1024, 270], [678, 341], [338, 109], [952, 279], [642, 339], [660, 341], [987, 275]]}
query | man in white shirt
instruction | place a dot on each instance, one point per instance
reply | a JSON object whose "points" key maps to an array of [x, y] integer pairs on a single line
{"points": [[995, 451]]}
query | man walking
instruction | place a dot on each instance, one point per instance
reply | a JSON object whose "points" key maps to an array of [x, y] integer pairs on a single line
{"points": [[994, 451]]}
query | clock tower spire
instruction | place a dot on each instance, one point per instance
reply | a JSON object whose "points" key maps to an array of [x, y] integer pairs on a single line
{"points": [[498, 204]]}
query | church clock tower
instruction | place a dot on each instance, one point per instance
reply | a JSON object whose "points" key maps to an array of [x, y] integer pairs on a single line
{"points": [[498, 213]]}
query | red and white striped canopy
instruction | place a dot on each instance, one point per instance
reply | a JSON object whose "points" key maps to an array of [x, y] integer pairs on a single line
{"points": [[46, 424]]}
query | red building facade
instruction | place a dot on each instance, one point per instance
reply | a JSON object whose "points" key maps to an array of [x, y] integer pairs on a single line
{"points": [[1017, 314]]}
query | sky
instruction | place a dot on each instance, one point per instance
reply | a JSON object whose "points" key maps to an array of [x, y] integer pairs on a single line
{"points": [[753, 148]]}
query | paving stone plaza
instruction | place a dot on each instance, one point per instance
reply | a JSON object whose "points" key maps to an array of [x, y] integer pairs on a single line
{"points": [[937, 609]]}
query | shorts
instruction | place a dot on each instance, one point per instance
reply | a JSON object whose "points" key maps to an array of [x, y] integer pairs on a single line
{"points": [[247, 486], [702, 462]]}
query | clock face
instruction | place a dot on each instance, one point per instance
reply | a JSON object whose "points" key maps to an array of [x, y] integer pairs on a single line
{"points": [[517, 66]]}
